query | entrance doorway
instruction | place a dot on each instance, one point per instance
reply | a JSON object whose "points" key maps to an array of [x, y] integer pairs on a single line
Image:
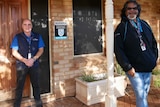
{"points": [[39, 16], [11, 14]]}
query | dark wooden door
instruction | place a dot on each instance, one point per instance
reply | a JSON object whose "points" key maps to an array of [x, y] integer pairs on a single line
{"points": [[11, 14]]}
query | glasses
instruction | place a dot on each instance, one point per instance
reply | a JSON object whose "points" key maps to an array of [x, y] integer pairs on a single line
{"points": [[130, 8]]}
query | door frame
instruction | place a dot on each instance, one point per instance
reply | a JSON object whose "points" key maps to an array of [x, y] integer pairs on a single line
{"points": [[50, 55]]}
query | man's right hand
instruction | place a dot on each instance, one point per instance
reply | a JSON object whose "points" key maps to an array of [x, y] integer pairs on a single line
{"points": [[131, 72], [29, 62]]}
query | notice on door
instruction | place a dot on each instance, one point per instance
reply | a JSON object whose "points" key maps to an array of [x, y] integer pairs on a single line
{"points": [[60, 30]]}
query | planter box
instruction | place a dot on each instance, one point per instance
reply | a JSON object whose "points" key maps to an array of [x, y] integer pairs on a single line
{"points": [[95, 92]]}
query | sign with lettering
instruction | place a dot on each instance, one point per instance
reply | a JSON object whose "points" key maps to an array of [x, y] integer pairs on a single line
{"points": [[60, 30]]}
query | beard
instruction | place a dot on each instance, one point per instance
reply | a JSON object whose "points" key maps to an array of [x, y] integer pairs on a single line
{"points": [[132, 17]]}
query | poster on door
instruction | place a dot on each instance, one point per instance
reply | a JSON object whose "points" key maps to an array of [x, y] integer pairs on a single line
{"points": [[60, 30]]}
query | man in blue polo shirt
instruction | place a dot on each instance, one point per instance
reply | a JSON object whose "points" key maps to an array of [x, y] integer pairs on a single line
{"points": [[27, 47]]}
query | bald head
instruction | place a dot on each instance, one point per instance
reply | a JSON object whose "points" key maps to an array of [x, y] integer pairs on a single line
{"points": [[27, 26]]}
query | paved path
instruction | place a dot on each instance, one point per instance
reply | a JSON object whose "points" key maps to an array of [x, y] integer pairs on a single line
{"points": [[127, 101]]}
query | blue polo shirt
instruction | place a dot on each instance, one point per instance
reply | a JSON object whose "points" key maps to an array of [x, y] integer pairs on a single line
{"points": [[24, 45], [14, 44]]}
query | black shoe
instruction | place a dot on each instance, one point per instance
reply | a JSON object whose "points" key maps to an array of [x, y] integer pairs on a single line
{"points": [[39, 103]]}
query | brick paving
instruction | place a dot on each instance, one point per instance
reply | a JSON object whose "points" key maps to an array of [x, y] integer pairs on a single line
{"points": [[126, 101]]}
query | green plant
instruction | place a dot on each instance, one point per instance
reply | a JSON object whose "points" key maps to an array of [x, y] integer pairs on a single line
{"points": [[156, 81], [156, 71], [118, 69], [93, 77], [87, 77]]}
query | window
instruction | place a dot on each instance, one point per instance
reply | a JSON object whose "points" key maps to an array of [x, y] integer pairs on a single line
{"points": [[87, 19]]}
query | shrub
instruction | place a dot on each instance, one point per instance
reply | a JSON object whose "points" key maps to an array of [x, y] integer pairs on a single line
{"points": [[93, 77], [156, 71], [156, 83], [87, 78]]}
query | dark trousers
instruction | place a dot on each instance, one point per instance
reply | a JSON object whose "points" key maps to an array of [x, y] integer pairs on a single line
{"points": [[34, 78]]}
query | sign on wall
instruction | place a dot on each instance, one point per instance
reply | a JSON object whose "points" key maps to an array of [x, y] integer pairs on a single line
{"points": [[60, 30]]}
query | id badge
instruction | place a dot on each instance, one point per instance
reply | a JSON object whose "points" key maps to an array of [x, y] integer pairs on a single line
{"points": [[29, 55], [143, 46]]}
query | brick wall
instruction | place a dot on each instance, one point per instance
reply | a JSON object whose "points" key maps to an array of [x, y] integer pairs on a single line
{"points": [[62, 50], [65, 67]]}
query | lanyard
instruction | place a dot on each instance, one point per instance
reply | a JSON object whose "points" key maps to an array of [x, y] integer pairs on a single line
{"points": [[138, 28], [29, 40]]}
